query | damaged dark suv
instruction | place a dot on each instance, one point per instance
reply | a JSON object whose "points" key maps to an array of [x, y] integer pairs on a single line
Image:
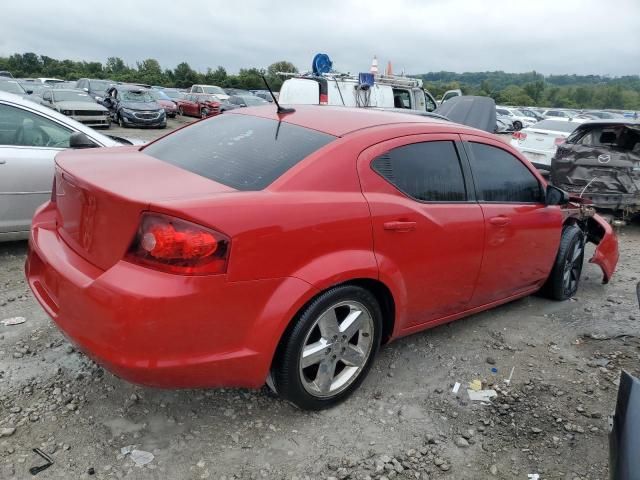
{"points": [[601, 161]]}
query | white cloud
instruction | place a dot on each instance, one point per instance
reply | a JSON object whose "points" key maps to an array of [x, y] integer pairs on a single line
{"points": [[550, 36]]}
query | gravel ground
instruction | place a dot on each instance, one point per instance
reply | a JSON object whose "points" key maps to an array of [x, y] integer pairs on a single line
{"points": [[403, 423]]}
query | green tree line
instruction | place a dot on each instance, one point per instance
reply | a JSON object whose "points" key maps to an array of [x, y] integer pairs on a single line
{"points": [[530, 88], [149, 71], [534, 89]]}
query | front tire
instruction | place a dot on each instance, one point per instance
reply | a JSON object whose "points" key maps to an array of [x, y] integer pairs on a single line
{"points": [[204, 113], [329, 350], [564, 279], [121, 121], [517, 125]]}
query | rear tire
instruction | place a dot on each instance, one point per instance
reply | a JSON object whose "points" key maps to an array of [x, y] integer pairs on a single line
{"points": [[329, 350], [180, 111], [517, 125], [564, 278]]}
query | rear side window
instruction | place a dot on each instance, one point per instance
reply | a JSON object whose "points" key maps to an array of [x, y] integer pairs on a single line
{"points": [[428, 171], [240, 151], [502, 178]]}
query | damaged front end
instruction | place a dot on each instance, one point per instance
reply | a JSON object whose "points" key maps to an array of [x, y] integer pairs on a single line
{"points": [[601, 163], [597, 231]]}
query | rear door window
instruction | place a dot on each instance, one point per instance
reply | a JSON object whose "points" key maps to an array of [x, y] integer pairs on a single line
{"points": [[426, 171], [240, 151], [502, 178]]}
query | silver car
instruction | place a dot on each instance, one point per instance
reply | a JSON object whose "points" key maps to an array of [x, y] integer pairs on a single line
{"points": [[30, 137], [78, 105]]}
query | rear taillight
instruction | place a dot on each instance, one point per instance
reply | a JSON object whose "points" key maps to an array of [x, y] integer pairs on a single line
{"points": [[324, 99], [178, 246], [559, 140], [519, 135]]}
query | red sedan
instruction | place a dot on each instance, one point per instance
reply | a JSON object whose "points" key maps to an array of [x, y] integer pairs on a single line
{"points": [[257, 247], [201, 106]]}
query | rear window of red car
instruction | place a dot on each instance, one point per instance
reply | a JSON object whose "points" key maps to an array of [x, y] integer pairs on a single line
{"points": [[240, 151]]}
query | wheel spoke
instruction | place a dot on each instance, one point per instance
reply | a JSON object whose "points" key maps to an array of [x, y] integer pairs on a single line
{"points": [[313, 353], [576, 253], [352, 323], [328, 324], [353, 356], [325, 375]]}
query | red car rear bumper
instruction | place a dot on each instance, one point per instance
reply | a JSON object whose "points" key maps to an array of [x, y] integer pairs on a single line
{"points": [[160, 329]]}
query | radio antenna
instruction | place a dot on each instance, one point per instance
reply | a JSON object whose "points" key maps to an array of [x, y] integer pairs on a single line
{"points": [[281, 110]]}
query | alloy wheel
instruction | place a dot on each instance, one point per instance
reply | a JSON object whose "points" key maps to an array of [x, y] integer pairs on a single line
{"points": [[336, 349], [572, 269]]}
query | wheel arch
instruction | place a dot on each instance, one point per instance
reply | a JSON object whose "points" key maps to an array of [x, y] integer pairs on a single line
{"points": [[377, 288]]}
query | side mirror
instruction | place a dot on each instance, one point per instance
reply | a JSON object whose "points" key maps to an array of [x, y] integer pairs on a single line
{"points": [[29, 92], [86, 89], [555, 196], [80, 140]]}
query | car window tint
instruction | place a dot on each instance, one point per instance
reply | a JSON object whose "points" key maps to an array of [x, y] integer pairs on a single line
{"points": [[240, 151], [20, 127], [427, 171], [501, 177]]}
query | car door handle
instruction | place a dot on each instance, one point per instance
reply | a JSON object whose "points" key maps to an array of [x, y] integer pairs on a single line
{"points": [[399, 226], [500, 221]]}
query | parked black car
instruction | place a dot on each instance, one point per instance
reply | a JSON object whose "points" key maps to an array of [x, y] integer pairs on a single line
{"points": [[130, 106], [96, 88], [601, 161]]}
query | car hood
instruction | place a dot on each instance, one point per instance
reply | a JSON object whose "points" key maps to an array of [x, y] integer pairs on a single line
{"points": [[473, 111], [140, 105], [70, 105]]}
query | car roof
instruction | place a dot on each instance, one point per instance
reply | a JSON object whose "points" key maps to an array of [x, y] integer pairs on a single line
{"points": [[338, 121], [609, 122]]}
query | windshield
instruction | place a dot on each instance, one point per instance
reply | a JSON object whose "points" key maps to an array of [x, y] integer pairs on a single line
{"points": [[159, 95], [252, 100], [11, 87], [64, 96], [135, 96], [173, 94], [34, 87], [99, 85], [213, 89], [240, 151], [556, 126]]}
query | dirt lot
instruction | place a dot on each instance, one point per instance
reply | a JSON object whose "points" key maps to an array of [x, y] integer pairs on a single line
{"points": [[403, 423]]}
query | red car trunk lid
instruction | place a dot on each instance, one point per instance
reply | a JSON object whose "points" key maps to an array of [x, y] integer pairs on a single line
{"points": [[101, 193]]}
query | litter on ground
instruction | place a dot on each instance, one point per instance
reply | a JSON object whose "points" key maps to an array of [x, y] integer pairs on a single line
{"points": [[13, 321]]}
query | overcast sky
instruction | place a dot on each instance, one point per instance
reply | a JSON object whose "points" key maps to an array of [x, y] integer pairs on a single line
{"points": [[550, 36]]}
